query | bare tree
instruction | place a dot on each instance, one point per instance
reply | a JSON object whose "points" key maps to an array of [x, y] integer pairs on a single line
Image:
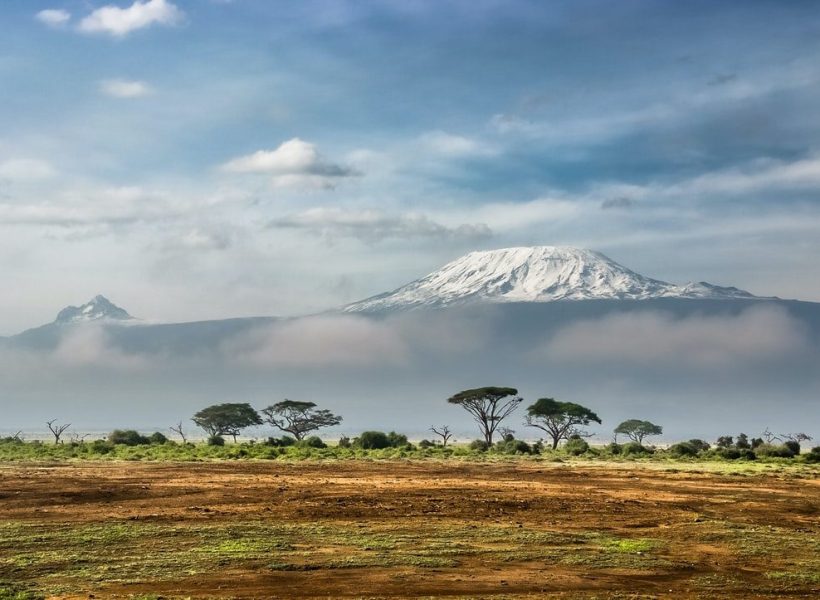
{"points": [[796, 437], [76, 438], [57, 430], [177, 429], [769, 436], [444, 432]]}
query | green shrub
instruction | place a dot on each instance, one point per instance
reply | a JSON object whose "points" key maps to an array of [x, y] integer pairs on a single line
{"points": [[576, 446], [216, 440], [813, 456], [127, 437], [479, 445], [157, 438], [372, 440], [793, 446], [101, 447], [281, 442], [683, 449], [613, 448], [513, 446], [699, 445], [313, 441], [635, 449], [397, 440], [772, 451], [344, 442], [426, 444]]}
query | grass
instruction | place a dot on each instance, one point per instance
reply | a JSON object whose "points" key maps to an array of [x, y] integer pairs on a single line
{"points": [[35, 451], [64, 558]]}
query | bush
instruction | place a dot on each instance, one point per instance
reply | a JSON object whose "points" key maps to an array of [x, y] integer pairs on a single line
{"points": [[613, 448], [313, 441], [127, 437], [373, 440], [101, 447], [635, 449], [683, 449], [479, 445], [699, 445], [281, 442], [772, 451], [730, 453], [216, 440], [157, 438], [576, 446], [513, 446], [813, 456], [397, 440], [793, 446], [344, 442], [426, 444]]}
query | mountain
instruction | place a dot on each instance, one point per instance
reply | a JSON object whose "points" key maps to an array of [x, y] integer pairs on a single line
{"points": [[95, 309], [535, 274]]}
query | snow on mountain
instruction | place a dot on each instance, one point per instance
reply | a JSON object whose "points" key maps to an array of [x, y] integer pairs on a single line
{"points": [[535, 274], [96, 309]]}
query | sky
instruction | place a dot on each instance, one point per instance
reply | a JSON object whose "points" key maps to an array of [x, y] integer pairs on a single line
{"points": [[222, 158]]}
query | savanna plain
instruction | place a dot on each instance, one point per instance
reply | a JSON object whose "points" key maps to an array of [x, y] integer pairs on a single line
{"points": [[511, 527]]}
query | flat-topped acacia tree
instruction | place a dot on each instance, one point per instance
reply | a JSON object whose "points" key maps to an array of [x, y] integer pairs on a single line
{"points": [[559, 420], [227, 419], [299, 418], [636, 430], [488, 406]]}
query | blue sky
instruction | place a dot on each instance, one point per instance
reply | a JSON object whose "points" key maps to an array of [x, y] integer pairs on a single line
{"points": [[205, 159]]}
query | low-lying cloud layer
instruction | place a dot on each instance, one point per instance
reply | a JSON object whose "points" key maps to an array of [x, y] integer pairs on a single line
{"points": [[759, 362], [758, 336]]}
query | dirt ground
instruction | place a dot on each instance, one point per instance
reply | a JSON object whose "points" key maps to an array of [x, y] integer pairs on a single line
{"points": [[422, 529]]}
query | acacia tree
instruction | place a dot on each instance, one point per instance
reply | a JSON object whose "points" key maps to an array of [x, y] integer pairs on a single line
{"points": [[559, 420], [636, 430], [226, 419], [488, 406], [299, 418], [56, 429], [444, 432]]}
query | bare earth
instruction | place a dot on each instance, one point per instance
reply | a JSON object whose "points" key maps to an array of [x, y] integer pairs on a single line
{"points": [[407, 530]]}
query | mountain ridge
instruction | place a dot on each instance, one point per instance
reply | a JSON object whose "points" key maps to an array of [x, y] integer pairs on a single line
{"points": [[535, 274]]}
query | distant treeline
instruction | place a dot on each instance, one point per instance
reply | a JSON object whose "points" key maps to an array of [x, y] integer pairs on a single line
{"points": [[562, 423]]}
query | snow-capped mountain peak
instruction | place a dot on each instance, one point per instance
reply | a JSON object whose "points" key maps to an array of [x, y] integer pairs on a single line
{"points": [[95, 309], [534, 274]]}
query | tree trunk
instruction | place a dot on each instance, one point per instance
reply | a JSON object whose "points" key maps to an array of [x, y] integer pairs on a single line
{"points": [[555, 441]]}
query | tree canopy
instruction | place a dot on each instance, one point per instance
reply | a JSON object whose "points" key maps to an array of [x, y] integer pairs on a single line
{"points": [[636, 430], [227, 419], [559, 420], [299, 418], [488, 406]]}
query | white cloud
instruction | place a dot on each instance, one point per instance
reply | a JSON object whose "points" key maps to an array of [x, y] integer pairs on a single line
{"points": [[339, 341], [205, 239], [373, 225], [25, 169], [53, 17], [124, 88], [294, 163], [90, 346], [119, 22], [93, 207], [447, 144]]}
